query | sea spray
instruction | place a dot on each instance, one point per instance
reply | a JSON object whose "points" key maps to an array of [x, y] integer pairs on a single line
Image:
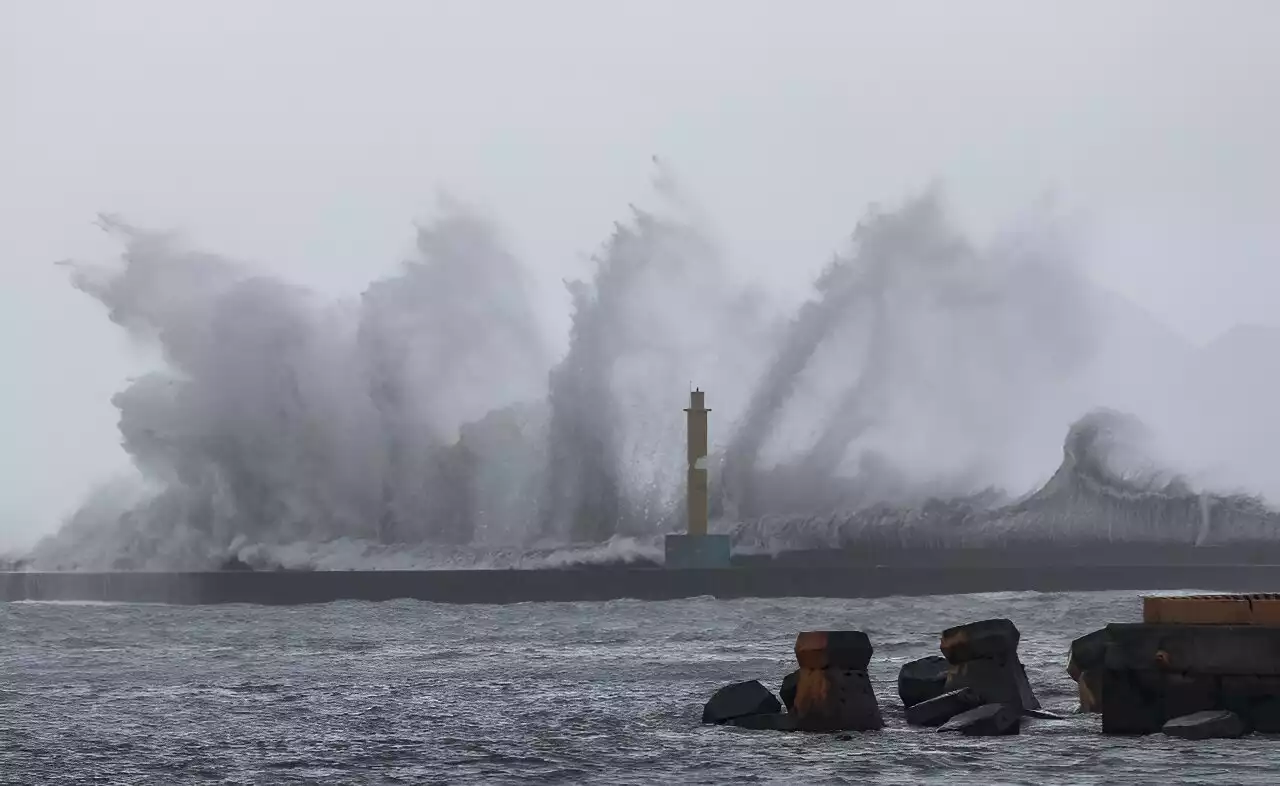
{"points": [[279, 417], [938, 353], [424, 424], [661, 310]]}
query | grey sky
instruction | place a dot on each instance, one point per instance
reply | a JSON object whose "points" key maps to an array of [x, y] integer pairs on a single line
{"points": [[307, 136]]}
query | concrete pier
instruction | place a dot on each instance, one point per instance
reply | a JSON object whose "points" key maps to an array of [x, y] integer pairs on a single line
{"points": [[1192, 655], [599, 584]]}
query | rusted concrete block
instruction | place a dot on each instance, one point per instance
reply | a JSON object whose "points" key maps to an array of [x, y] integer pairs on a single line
{"points": [[1240, 609], [940, 709], [836, 700], [1206, 725], [840, 649], [989, 720], [985, 639], [921, 680], [739, 700]]}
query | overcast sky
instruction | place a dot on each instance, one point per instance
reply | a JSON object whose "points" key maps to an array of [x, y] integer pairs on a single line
{"points": [[308, 136]]}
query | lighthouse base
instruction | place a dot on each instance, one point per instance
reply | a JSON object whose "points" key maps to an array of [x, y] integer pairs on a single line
{"points": [[697, 551]]}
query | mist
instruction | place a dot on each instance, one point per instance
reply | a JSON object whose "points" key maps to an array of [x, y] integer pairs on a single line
{"points": [[426, 414]]}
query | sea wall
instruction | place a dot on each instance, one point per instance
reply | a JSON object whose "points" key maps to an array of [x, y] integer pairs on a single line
{"points": [[516, 586]]}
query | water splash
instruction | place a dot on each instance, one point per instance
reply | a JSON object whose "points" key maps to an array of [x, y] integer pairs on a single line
{"points": [[426, 424]]}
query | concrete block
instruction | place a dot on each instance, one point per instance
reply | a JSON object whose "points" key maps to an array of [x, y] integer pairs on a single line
{"points": [[1089, 688], [788, 691], [989, 720], [1199, 649], [1184, 694], [940, 709], [1252, 609], [836, 699], [1043, 715], [739, 700], [840, 649], [995, 681], [1132, 702], [1087, 652], [1206, 725], [1256, 699], [921, 680], [984, 639]]}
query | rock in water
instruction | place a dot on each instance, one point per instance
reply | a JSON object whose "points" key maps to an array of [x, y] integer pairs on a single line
{"points": [[984, 657], [940, 709], [921, 680], [989, 720], [1132, 701], [984, 639], [788, 690], [833, 692], [836, 700], [1157, 672], [738, 701], [1255, 698], [1085, 665], [839, 649], [1206, 725], [774, 721]]}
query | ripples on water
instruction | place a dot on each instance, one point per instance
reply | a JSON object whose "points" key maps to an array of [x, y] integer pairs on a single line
{"points": [[409, 692]]}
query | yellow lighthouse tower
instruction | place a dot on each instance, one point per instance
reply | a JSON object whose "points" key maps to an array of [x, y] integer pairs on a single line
{"points": [[697, 548]]}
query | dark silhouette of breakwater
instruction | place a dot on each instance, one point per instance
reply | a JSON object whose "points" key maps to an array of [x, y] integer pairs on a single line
{"points": [[940, 572]]}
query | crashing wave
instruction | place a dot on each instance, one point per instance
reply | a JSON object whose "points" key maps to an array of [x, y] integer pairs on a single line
{"points": [[425, 424], [1105, 489]]}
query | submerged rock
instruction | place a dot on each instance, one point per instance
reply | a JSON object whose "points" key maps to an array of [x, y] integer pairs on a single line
{"points": [[921, 680], [940, 709], [989, 720], [1206, 725], [738, 701]]}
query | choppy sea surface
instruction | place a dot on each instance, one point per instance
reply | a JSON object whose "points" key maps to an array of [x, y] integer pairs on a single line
{"points": [[410, 692]]}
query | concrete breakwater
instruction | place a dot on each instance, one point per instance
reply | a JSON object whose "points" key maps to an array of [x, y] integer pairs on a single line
{"points": [[1212, 677], [980, 689], [609, 583]]}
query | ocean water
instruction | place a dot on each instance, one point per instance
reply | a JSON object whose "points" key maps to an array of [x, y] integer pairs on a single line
{"points": [[409, 692]]}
